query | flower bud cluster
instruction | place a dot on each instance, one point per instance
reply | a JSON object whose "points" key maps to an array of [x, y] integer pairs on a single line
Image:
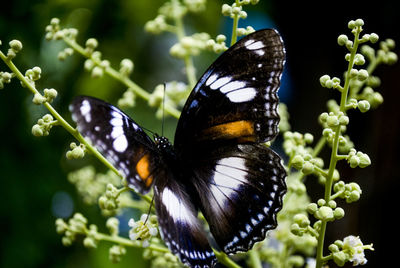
{"points": [[109, 201], [351, 249], [76, 151], [160, 259], [5, 77], [116, 252], [358, 159], [144, 229], [128, 99], [296, 145], [218, 45], [91, 185], [15, 47], [43, 126], [77, 225], [54, 31], [49, 95], [190, 45], [351, 192]]}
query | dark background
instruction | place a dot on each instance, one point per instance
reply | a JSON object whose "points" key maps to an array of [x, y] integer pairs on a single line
{"points": [[33, 170]]}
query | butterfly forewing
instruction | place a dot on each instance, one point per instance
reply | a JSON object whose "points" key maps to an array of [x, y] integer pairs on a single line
{"points": [[236, 97], [119, 139], [242, 188]]}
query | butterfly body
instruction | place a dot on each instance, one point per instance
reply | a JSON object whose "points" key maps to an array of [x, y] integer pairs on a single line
{"points": [[217, 165]]}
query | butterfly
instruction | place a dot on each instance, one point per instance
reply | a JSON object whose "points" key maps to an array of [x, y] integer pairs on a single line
{"points": [[218, 164]]}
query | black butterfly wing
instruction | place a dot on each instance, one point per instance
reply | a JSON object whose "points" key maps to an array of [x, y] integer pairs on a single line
{"points": [[180, 228], [119, 139], [233, 108], [236, 97], [130, 149], [241, 188]]}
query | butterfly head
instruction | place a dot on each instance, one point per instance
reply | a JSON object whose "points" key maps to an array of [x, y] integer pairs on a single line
{"points": [[161, 142]]}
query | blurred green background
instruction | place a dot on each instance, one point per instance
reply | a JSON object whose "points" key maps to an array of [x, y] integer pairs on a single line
{"points": [[33, 170]]}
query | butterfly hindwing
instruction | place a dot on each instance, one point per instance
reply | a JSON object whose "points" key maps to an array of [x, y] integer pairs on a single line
{"points": [[236, 97], [240, 189], [180, 228], [119, 139]]}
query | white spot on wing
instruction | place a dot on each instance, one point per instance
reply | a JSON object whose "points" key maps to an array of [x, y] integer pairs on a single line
{"points": [[259, 52], [254, 45], [116, 132], [211, 79], [175, 207], [242, 95], [232, 86], [85, 110], [116, 122], [120, 144], [220, 82]]}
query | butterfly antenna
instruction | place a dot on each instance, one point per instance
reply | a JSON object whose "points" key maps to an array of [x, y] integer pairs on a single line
{"points": [[148, 212], [163, 110]]}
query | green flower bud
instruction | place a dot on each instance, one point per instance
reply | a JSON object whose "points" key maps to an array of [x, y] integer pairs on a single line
{"points": [[354, 161], [338, 213], [359, 59], [126, 67], [92, 43], [61, 226], [66, 241], [97, 72], [308, 168], [332, 121], [332, 204], [362, 75], [351, 24], [321, 202], [302, 220], [226, 10], [333, 248], [363, 106], [353, 73], [342, 39], [38, 99], [50, 94], [340, 258], [373, 38], [312, 208], [308, 138], [89, 242], [364, 160], [324, 79], [343, 120], [113, 225], [16, 45], [296, 230], [37, 131], [325, 213], [298, 162], [359, 22]]}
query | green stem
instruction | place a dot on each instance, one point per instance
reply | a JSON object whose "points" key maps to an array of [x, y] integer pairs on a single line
{"points": [[235, 25], [188, 60], [320, 260], [224, 259], [128, 243], [255, 261]]}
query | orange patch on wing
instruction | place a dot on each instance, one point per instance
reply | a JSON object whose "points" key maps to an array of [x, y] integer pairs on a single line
{"points": [[149, 181], [242, 129], [142, 168]]}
